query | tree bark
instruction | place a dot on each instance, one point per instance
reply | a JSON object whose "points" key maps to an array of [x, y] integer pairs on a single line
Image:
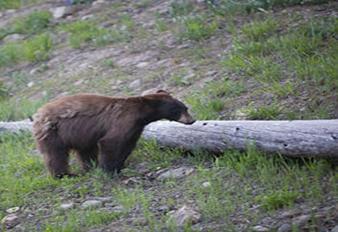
{"points": [[311, 138]]}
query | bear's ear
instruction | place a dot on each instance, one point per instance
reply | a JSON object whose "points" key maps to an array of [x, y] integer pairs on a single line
{"points": [[162, 92]]}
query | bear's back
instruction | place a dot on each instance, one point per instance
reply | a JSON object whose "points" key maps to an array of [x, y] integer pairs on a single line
{"points": [[68, 107]]}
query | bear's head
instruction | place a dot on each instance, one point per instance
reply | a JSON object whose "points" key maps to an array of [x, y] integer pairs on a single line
{"points": [[170, 108]]}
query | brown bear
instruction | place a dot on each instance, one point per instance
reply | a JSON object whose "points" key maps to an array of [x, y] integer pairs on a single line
{"points": [[100, 129]]}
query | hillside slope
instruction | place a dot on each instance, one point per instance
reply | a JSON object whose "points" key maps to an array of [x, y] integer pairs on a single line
{"points": [[255, 60]]}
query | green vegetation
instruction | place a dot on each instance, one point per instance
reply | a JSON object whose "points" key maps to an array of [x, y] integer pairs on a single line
{"points": [[76, 220], [11, 110], [9, 4], [84, 32], [208, 103], [34, 49], [197, 29], [33, 23], [223, 7]]}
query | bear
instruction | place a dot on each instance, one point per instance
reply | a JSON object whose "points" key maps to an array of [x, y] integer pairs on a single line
{"points": [[101, 130]]}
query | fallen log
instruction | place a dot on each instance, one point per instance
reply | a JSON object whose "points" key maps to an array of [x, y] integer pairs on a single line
{"points": [[300, 138]]}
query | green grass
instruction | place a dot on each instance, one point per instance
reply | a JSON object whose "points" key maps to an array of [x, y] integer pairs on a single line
{"points": [[10, 4], [268, 112], [33, 23], [14, 4], [11, 110], [77, 220], [277, 199], [260, 30], [181, 8], [86, 32], [224, 7], [237, 181], [197, 29], [209, 102], [34, 49]]}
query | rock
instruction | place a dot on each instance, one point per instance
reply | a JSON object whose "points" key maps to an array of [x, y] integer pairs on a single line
{"points": [[91, 204], [138, 221], [10, 221], [184, 215], [86, 17], [149, 91], [175, 173], [60, 12], [240, 114], [211, 73], [13, 38], [79, 82], [285, 228], [135, 84], [10, 11], [103, 199], [301, 220], [12, 210], [131, 180], [188, 78], [206, 184], [117, 209], [98, 2], [335, 229], [289, 213], [142, 64], [260, 228], [66, 206], [30, 84]]}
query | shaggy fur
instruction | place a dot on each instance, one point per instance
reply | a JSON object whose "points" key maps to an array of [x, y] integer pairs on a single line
{"points": [[100, 129]]}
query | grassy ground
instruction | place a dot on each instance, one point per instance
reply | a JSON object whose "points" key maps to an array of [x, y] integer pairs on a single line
{"points": [[254, 60]]}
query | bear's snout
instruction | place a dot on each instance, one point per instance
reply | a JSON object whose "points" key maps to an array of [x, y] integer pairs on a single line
{"points": [[186, 119]]}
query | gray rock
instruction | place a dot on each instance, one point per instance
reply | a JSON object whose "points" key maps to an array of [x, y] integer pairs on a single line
{"points": [[79, 82], [135, 84], [142, 64], [335, 229], [189, 77], [260, 228], [175, 173], [301, 220], [184, 215], [30, 84], [285, 228], [10, 221], [10, 11], [86, 17], [66, 206], [91, 204], [12, 210], [211, 73], [103, 199], [117, 209], [141, 221], [13, 38], [60, 12], [98, 2], [206, 184]]}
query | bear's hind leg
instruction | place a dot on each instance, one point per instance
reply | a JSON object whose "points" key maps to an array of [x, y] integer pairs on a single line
{"points": [[56, 158], [87, 158]]}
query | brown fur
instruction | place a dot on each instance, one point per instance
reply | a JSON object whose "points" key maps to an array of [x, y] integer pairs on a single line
{"points": [[100, 129]]}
